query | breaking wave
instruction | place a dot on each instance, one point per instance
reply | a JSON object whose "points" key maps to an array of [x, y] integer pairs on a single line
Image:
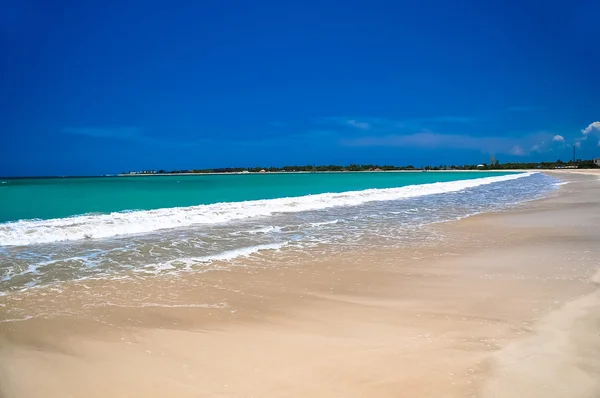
{"points": [[91, 226]]}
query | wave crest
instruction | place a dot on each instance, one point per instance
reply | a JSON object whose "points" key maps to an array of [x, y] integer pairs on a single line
{"points": [[30, 232]]}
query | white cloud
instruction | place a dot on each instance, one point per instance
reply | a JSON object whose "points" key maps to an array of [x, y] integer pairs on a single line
{"points": [[558, 138], [358, 125], [593, 126], [517, 151]]}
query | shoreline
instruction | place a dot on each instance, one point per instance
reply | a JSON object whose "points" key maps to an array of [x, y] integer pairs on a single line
{"points": [[315, 172], [223, 205], [503, 306], [581, 171], [589, 171]]}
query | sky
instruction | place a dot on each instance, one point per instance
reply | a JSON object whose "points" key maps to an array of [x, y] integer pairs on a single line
{"points": [[96, 87]]}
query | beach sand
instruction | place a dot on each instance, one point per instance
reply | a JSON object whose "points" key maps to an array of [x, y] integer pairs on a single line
{"points": [[504, 305]]}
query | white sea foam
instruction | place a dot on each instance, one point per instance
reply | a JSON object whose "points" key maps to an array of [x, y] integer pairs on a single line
{"points": [[25, 318], [31, 269], [83, 260], [188, 262], [322, 223], [264, 230], [28, 232]]}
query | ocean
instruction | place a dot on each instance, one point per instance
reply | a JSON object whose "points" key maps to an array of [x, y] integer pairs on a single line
{"points": [[65, 230]]}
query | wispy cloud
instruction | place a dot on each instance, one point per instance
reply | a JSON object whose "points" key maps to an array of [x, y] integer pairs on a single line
{"points": [[389, 125], [517, 150], [421, 123], [125, 133], [358, 125], [430, 140], [440, 132]]}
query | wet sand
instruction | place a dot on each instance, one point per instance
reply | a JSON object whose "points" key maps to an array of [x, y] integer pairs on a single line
{"points": [[504, 305]]}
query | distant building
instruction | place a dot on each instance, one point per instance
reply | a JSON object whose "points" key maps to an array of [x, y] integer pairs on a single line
{"points": [[597, 162]]}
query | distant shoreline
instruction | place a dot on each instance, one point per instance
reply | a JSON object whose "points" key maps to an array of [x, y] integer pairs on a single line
{"points": [[266, 172], [319, 172], [523, 170]]}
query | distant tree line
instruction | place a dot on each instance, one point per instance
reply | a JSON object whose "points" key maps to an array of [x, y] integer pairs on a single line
{"points": [[331, 167], [559, 164]]}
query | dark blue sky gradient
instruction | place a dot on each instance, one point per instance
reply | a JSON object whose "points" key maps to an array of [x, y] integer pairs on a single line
{"points": [[93, 87]]}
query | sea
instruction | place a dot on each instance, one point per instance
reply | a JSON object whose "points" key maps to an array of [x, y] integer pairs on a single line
{"points": [[64, 230]]}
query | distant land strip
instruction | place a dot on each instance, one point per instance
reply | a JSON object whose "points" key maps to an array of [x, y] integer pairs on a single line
{"points": [[577, 164]]}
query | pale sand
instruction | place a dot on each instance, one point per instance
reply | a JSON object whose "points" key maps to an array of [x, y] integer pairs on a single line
{"points": [[508, 306]]}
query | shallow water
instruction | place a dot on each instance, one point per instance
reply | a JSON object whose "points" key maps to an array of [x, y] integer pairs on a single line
{"points": [[192, 239]]}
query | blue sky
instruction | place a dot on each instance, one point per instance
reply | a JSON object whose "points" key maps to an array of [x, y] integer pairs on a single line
{"points": [[93, 87]]}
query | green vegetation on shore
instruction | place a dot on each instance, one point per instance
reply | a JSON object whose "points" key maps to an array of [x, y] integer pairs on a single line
{"points": [[559, 164]]}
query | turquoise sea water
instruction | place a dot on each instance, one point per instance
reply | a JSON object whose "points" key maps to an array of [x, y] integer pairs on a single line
{"points": [[62, 197]]}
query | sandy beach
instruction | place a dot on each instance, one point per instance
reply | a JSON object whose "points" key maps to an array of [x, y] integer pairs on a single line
{"points": [[501, 305]]}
